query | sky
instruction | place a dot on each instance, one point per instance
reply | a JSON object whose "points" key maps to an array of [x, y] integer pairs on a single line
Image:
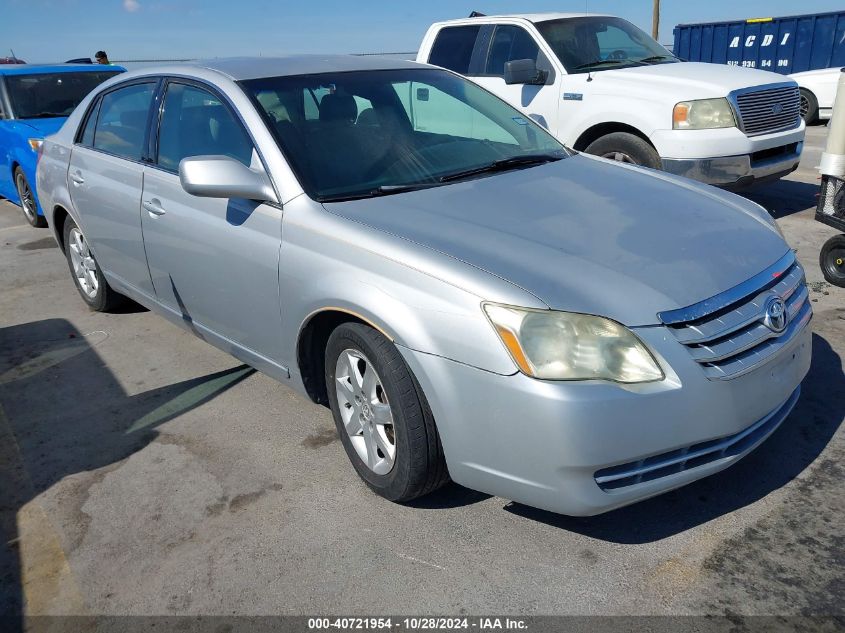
{"points": [[56, 30]]}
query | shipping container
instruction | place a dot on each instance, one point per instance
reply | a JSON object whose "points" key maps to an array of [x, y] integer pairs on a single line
{"points": [[785, 45]]}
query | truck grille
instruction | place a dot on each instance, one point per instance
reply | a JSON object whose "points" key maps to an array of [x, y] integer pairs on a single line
{"points": [[767, 111], [733, 333], [690, 457]]}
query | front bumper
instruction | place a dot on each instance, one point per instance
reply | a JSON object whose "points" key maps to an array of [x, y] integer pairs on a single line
{"points": [[735, 172], [545, 443]]}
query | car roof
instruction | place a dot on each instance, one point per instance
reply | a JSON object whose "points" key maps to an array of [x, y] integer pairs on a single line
{"points": [[36, 69], [532, 17], [240, 68]]}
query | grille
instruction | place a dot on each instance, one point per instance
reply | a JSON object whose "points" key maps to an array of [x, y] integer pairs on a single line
{"points": [[766, 111], [690, 457], [733, 333]]}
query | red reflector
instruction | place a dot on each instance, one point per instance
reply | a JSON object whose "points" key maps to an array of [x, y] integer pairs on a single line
{"points": [[776, 275]]}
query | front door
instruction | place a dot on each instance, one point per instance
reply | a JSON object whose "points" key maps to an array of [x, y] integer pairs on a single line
{"points": [[105, 180], [511, 42], [213, 261]]}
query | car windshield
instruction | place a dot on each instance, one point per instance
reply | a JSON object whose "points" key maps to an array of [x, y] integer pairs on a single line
{"points": [[367, 133], [595, 43], [46, 95]]}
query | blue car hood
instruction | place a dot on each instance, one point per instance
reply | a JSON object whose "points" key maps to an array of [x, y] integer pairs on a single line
{"points": [[43, 127], [588, 235]]}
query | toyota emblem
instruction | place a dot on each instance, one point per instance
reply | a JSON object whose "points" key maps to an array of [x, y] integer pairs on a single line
{"points": [[775, 317]]}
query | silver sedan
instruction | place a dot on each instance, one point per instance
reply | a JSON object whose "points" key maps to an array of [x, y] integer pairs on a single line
{"points": [[471, 299]]}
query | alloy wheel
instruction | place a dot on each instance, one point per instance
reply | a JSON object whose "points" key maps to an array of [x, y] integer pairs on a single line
{"points": [[30, 209], [621, 157], [84, 266], [805, 106], [365, 411]]}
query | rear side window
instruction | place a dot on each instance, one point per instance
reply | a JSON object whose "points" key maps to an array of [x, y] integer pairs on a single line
{"points": [[122, 122], [87, 136], [195, 122], [509, 43], [453, 47]]}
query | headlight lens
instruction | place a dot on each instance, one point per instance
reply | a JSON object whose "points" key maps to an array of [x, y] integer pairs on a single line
{"points": [[555, 345], [703, 114]]}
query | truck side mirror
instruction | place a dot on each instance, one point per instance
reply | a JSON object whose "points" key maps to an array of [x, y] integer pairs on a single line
{"points": [[524, 71]]}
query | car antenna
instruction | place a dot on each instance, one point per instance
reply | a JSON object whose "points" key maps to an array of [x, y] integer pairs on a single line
{"points": [[589, 69], [477, 14]]}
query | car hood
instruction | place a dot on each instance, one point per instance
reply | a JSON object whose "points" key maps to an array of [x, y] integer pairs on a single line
{"points": [[44, 127], [686, 80], [588, 235]]}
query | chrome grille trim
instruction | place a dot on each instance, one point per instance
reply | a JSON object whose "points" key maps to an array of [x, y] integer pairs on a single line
{"points": [[690, 457], [767, 109], [735, 337]]}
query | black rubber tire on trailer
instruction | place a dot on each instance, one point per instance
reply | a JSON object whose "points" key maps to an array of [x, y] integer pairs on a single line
{"points": [[419, 466], [809, 107], [627, 148], [27, 198], [102, 298], [832, 260]]}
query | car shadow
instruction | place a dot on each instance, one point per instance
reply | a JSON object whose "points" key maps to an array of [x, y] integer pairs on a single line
{"points": [[63, 412], [782, 457], [784, 197]]}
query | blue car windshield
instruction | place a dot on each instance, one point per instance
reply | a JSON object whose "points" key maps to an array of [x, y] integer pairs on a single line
{"points": [[367, 133], [45, 95]]}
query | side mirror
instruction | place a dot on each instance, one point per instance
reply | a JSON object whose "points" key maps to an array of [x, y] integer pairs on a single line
{"points": [[224, 177], [524, 71]]}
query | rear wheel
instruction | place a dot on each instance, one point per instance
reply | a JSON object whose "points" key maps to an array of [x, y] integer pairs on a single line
{"points": [[626, 148], [809, 107], [89, 279], [27, 198], [381, 415], [832, 260]]}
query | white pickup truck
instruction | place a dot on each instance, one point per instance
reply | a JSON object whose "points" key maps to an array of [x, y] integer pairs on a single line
{"points": [[603, 86]]}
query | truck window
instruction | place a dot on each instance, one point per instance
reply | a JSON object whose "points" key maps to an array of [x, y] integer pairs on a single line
{"points": [[453, 46], [509, 43]]}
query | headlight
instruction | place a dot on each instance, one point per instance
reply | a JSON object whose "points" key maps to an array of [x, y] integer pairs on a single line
{"points": [[703, 114], [567, 346]]}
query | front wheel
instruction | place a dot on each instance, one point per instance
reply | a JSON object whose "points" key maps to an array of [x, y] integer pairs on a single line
{"points": [[809, 107], [381, 415], [625, 148], [832, 260], [27, 198], [87, 276]]}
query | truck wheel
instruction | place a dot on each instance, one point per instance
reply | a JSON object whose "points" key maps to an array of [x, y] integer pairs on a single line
{"points": [[89, 279], [626, 148], [27, 198], [381, 415], [832, 260], [809, 107]]}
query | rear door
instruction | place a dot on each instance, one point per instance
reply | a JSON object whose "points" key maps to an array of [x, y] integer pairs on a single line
{"points": [[105, 180], [213, 261]]}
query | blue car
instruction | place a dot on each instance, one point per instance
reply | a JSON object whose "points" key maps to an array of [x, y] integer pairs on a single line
{"points": [[34, 103]]}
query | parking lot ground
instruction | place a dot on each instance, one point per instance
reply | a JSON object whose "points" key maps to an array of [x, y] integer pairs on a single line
{"points": [[144, 472]]}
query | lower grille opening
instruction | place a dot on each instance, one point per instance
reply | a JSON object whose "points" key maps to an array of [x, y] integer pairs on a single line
{"points": [[774, 152]]}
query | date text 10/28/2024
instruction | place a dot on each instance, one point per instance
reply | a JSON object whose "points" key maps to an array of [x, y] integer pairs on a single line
{"points": [[417, 624]]}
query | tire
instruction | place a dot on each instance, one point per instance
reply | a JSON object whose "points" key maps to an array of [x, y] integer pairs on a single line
{"points": [[94, 290], [416, 466], [832, 260], [27, 199], [809, 107], [626, 148]]}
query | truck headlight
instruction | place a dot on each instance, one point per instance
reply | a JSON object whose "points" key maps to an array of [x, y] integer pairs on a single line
{"points": [[554, 345], [703, 114]]}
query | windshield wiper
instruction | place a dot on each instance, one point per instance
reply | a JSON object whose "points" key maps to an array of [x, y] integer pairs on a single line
{"points": [[655, 58], [383, 190], [601, 62], [503, 164]]}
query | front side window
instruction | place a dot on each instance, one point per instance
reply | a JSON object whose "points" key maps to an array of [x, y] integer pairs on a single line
{"points": [[595, 43], [46, 95], [376, 131], [510, 43], [195, 122], [122, 121], [453, 47]]}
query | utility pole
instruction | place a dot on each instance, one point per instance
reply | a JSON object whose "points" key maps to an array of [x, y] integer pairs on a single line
{"points": [[655, 21]]}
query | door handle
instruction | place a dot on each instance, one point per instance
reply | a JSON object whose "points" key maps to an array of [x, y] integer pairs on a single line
{"points": [[77, 179], [154, 206]]}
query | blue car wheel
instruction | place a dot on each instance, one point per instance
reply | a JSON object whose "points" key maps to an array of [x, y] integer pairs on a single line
{"points": [[27, 198]]}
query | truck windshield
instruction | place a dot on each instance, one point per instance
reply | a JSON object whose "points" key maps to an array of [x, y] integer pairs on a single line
{"points": [[368, 133], [594, 43], [45, 95]]}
